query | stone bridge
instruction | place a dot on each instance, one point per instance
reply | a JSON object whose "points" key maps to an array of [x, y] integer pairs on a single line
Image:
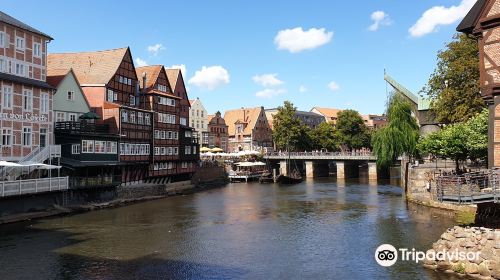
{"points": [[316, 163]]}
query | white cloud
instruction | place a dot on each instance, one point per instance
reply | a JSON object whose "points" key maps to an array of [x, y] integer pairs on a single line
{"points": [[155, 49], [333, 86], [303, 89], [267, 80], [379, 18], [269, 92], [296, 40], [439, 15], [180, 66], [210, 77], [139, 62]]}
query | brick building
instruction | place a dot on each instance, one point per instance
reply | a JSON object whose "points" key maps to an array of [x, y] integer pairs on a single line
{"points": [[26, 99], [110, 84], [217, 132], [161, 98], [248, 129]]}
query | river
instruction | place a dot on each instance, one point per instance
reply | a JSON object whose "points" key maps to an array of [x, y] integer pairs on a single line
{"points": [[318, 229]]}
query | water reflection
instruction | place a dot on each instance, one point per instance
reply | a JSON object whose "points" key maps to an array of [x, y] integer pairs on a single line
{"points": [[318, 229]]}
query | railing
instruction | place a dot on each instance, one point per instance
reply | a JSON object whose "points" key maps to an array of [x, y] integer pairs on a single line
{"points": [[469, 188], [319, 155], [81, 127], [38, 155], [22, 187], [94, 182]]}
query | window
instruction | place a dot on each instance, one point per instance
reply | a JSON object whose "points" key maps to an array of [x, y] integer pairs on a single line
{"points": [[202, 114], [169, 135], [176, 135], [156, 166], [131, 100], [147, 119], [140, 118], [162, 88], [70, 96], [100, 147], [37, 49], [114, 147], [7, 97], [27, 136], [3, 40], [163, 134], [110, 96], [163, 150], [19, 43], [75, 149], [176, 150], [157, 151], [87, 146], [108, 147], [44, 103], [6, 137], [124, 116], [183, 121], [3, 65], [27, 100], [187, 150], [19, 69], [184, 165], [60, 117], [194, 150], [160, 117], [157, 134], [132, 117], [72, 117]]}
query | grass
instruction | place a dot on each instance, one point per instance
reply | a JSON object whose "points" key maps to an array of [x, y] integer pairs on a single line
{"points": [[459, 268], [465, 217]]}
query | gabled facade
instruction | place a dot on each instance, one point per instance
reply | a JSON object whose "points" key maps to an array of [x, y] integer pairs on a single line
{"points": [[198, 117], [166, 105], [69, 102], [217, 132], [110, 84], [329, 114], [248, 129], [26, 114], [483, 22], [189, 152]]}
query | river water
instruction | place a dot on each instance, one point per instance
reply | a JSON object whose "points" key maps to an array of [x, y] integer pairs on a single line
{"points": [[319, 229]]}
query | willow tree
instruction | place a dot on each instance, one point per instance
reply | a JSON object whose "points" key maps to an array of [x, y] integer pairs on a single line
{"points": [[399, 137]]}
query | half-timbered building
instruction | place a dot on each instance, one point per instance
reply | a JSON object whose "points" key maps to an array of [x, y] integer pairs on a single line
{"points": [[483, 22], [109, 81]]}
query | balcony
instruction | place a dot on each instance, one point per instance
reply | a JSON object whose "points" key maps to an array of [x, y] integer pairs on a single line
{"points": [[94, 182], [81, 127], [31, 186]]}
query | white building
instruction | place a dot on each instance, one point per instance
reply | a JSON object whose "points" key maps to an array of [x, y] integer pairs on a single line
{"points": [[198, 119]]}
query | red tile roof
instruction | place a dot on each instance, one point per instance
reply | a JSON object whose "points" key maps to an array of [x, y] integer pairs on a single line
{"points": [[89, 67]]}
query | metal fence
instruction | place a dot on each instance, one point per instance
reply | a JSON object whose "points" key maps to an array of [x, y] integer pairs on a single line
{"points": [[22, 187], [469, 188]]}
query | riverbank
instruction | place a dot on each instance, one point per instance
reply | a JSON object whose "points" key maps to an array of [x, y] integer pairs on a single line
{"points": [[204, 179], [471, 240]]}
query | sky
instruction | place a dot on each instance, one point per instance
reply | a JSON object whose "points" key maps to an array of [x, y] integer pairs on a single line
{"points": [[236, 53]]}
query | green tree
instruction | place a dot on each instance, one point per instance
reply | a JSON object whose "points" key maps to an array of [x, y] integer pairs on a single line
{"points": [[454, 85], [399, 136], [460, 141], [289, 133], [324, 136], [352, 130]]}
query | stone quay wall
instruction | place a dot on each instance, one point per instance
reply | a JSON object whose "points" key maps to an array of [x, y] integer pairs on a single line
{"points": [[469, 239]]}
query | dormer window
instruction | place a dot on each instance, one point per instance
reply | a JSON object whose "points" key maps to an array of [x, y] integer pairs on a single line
{"points": [[162, 88]]}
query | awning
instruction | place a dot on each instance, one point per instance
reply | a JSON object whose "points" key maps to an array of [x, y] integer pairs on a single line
{"points": [[248, 164], [4, 163]]}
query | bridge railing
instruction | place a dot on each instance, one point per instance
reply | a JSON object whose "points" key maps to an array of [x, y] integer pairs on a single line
{"points": [[321, 154], [469, 188]]}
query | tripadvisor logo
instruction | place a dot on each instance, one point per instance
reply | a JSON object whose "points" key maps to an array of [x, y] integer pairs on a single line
{"points": [[387, 255]]}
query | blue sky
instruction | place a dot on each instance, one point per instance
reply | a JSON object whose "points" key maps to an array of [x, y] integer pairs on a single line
{"points": [[247, 61]]}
